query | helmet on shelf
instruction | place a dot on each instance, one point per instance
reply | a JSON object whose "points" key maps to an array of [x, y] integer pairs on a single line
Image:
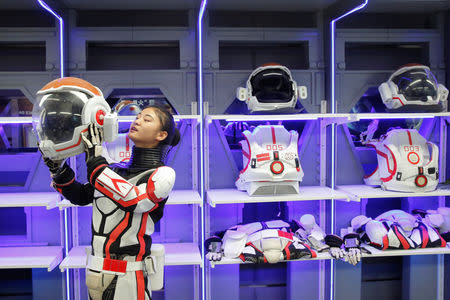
{"points": [[269, 88], [413, 88]]}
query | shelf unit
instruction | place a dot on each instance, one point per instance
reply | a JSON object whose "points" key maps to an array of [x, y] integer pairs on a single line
{"points": [[30, 257], [316, 40], [358, 192], [348, 193], [306, 193], [125, 119], [175, 197], [374, 253], [47, 199]]}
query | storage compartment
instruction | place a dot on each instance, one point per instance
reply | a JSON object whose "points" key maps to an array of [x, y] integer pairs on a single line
{"points": [[384, 56], [22, 56], [162, 55], [250, 55]]}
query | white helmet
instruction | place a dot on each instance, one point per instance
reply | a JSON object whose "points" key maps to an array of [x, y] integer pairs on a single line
{"points": [[270, 87], [413, 88], [64, 108]]}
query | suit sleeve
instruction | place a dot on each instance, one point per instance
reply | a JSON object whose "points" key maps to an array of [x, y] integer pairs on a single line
{"points": [[145, 197], [64, 182]]}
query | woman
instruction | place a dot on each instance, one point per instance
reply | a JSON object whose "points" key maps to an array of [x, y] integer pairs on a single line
{"points": [[128, 199]]}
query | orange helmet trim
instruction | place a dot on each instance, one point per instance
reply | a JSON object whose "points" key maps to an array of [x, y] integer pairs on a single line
{"points": [[71, 81]]}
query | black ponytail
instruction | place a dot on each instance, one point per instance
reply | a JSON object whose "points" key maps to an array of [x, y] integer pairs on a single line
{"points": [[176, 138]]}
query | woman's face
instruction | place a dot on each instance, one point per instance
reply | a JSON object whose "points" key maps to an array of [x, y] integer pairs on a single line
{"points": [[145, 131]]}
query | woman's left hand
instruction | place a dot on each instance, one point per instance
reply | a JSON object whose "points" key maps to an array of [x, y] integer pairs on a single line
{"points": [[93, 139]]}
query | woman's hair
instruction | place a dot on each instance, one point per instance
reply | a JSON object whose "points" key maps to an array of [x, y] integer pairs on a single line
{"points": [[167, 124]]}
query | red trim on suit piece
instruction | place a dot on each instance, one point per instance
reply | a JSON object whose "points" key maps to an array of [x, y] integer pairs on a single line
{"points": [[399, 100], [65, 184], [250, 154], [96, 170], [425, 236], [151, 189], [285, 234], [409, 137], [385, 242], [288, 253], [313, 253], [73, 146], [391, 172], [141, 236], [116, 232], [274, 139], [402, 239], [140, 285], [114, 265]]}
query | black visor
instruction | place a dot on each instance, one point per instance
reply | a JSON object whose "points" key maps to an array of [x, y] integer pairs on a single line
{"points": [[272, 86], [417, 85], [61, 114]]}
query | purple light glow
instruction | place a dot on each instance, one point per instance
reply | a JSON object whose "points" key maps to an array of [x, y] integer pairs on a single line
{"points": [[333, 127], [61, 74], [394, 117], [200, 104], [61, 36]]}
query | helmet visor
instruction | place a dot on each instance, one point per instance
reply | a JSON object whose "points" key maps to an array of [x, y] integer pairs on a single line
{"points": [[272, 86], [417, 85], [58, 114]]}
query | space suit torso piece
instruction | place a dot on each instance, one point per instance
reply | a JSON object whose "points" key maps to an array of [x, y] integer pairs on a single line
{"points": [[406, 162], [272, 165], [117, 232]]}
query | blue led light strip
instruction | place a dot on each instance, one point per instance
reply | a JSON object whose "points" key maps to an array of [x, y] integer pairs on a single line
{"points": [[61, 66], [61, 35], [200, 104], [333, 127], [66, 248]]}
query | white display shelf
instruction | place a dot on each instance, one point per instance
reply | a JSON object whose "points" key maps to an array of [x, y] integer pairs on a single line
{"points": [[209, 118], [182, 254], [234, 261], [175, 197], [370, 116], [16, 120], [229, 196], [374, 253], [306, 116], [348, 117], [358, 192], [421, 251], [175, 117], [30, 257], [177, 254], [47, 199]]}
